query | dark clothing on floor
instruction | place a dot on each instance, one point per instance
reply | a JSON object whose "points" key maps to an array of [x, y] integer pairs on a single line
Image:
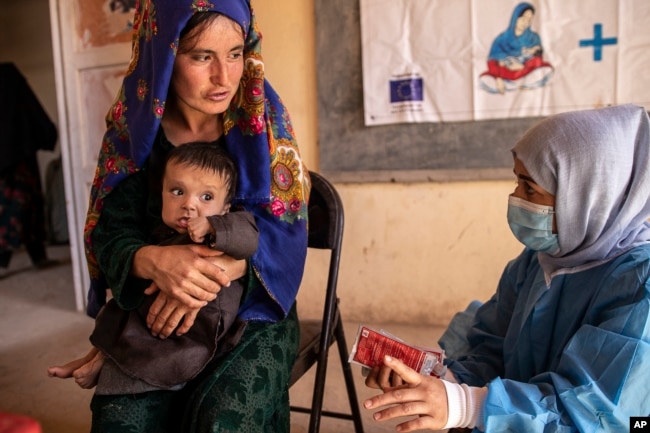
{"points": [[26, 129]]}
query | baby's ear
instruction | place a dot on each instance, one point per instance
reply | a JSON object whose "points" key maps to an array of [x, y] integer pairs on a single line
{"points": [[226, 208]]}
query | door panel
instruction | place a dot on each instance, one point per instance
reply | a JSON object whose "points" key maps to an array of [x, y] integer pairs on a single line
{"points": [[91, 46]]}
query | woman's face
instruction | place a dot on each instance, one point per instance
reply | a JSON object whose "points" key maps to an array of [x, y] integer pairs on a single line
{"points": [[527, 189], [206, 76], [523, 22]]}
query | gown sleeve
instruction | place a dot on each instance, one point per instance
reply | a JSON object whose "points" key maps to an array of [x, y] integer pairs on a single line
{"points": [[594, 380], [487, 331]]}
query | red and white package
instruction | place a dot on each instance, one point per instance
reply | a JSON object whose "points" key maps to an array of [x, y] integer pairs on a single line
{"points": [[371, 346]]}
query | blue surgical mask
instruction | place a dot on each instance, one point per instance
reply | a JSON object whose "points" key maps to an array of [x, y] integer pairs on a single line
{"points": [[532, 225]]}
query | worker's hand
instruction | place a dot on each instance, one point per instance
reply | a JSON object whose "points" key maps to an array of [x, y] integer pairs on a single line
{"points": [[413, 395]]}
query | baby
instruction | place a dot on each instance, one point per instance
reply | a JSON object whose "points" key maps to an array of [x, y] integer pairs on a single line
{"points": [[198, 185]]}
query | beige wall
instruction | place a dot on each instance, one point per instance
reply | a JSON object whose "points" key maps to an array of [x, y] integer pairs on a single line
{"points": [[412, 252], [25, 41]]}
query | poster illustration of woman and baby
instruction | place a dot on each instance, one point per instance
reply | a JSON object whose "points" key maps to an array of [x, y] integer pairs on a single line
{"points": [[516, 58]]}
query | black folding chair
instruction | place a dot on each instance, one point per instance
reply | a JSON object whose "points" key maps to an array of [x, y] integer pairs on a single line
{"points": [[325, 232]]}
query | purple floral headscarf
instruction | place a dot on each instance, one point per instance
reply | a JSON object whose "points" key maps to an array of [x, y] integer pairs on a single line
{"points": [[272, 183]]}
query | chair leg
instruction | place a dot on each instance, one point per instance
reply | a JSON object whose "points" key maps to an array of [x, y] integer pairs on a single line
{"points": [[319, 391], [347, 374]]}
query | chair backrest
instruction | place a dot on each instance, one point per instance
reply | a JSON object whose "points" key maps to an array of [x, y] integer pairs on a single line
{"points": [[325, 215], [325, 232]]}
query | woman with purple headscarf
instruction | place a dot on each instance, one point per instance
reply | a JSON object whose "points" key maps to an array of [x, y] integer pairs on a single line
{"points": [[197, 74]]}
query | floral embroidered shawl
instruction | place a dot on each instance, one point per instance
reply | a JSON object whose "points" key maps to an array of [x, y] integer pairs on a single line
{"points": [[273, 182]]}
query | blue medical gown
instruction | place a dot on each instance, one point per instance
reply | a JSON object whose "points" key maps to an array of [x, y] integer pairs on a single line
{"points": [[574, 356]]}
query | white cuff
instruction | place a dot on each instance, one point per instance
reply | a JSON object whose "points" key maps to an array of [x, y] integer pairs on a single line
{"points": [[464, 405]]}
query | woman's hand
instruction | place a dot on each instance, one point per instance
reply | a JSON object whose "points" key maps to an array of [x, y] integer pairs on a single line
{"points": [[166, 313], [188, 276], [181, 271], [420, 395]]}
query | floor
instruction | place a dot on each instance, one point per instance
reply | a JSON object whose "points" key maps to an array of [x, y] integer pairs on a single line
{"points": [[39, 327]]}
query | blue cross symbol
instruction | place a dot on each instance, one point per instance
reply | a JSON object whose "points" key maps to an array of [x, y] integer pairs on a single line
{"points": [[597, 42]]}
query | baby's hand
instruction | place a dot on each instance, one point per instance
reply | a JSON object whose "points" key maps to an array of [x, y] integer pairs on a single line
{"points": [[198, 228]]}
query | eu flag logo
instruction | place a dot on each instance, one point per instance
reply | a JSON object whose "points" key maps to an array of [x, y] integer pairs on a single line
{"points": [[405, 90]]}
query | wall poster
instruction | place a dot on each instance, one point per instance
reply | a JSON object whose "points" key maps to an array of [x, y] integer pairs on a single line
{"points": [[463, 60]]}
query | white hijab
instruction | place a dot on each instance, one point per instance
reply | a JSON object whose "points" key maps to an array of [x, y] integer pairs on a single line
{"points": [[597, 164]]}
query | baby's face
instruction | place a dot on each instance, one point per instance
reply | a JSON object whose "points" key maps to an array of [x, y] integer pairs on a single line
{"points": [[190, 192]]}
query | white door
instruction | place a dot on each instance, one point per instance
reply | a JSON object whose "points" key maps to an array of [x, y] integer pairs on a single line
{"points": [[91, 45]]}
